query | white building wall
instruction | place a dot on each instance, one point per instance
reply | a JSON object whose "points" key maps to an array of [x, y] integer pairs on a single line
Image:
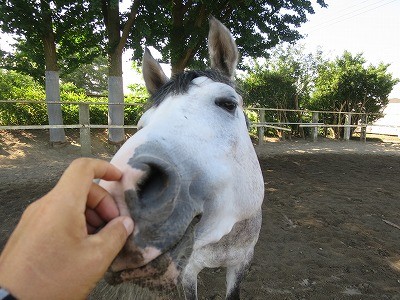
{"points": [[390, 123]]}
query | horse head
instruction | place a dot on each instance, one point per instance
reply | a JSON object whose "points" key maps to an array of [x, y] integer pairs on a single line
{"points": [[190, 173]]}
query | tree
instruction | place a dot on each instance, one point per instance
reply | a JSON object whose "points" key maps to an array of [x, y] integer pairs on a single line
{"points": [[90, 77], [116, 40], [266, 86], [82, 28], [40, 27], [269, 87], [283, 81], [178, 29], [347, 84], [302, 67]]}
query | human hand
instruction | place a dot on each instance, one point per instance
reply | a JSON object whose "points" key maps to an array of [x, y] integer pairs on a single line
{"points": [[51, 254]]}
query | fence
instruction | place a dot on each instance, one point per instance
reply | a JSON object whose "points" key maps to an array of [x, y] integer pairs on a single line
{"points": [[354, 120], [314, 116], [84, 125]]}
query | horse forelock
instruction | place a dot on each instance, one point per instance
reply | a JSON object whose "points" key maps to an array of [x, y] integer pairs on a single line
{"points": [[181, 82]]}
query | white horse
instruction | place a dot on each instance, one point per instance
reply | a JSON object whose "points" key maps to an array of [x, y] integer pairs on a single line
{"points": [[191, 179]]}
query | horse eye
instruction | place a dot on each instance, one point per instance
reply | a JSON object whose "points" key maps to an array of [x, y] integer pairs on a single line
{"points": [[228, 104]]}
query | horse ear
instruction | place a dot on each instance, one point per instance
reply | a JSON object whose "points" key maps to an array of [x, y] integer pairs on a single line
{"points": [[154, 76], [222, 48]]}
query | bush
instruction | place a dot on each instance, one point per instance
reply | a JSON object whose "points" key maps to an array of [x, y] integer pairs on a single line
{"points": [[99, 112], [15, 86], [252, 117]]}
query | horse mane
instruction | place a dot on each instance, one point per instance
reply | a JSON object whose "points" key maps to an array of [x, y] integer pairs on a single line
{"points": [[181, 82]]}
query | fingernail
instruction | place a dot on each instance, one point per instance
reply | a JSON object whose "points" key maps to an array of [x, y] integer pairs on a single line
{"points": [[128, 223]]}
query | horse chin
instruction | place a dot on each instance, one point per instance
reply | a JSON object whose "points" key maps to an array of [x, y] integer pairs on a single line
{"points": [[160, 274], [163, 272]]}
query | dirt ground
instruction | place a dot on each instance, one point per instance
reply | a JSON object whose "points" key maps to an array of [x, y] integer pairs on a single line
{"points": [[331, 214]]}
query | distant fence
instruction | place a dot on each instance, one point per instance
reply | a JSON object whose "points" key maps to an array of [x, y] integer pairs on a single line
{"points": [[312, 119], [313, 116]]}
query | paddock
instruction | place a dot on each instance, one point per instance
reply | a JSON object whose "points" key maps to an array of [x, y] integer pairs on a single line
{"points": [[331, 217]]}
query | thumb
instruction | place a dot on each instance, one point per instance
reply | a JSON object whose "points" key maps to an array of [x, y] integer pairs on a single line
{"points": [[114, 235]]}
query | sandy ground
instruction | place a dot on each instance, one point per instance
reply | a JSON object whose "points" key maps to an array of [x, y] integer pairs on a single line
{"points": [[330, 214]]}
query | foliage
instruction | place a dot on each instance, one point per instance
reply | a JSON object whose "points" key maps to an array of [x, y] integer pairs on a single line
{"points": [[268, 87], [49, 34], [348, 84], [15, 86], [69, 23], [252, 117], [284, 81], [290, 79], [92, 78], [300, 66], [178, 29], [98, 112], [138, 94]]}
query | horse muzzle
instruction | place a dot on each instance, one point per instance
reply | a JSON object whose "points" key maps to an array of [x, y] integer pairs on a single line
{"points": [[165, 215]]}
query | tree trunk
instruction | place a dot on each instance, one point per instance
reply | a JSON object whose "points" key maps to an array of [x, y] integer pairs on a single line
{"points": [[57, 135], [181, 63], [299, 115], [116, 112], [115, 95], [178, 45], [181, 54], [115, 82], [116, 44]]}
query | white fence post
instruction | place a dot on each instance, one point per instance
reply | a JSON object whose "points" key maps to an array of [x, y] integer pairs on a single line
{"points": [[84, 133], [347, 129], [363, 132], [314, 130], [261, 117]]}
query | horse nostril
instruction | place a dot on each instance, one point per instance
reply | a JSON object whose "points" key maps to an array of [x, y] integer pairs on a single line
{"points": [[153, 184], [157, 190]]}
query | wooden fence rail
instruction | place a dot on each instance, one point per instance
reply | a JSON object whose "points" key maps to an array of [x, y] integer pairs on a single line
{"points": [[84, 122], [314, 124], [84, 125]]}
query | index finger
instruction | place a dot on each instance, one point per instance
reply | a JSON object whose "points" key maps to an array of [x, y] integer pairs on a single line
{"points": [[78, 177]]}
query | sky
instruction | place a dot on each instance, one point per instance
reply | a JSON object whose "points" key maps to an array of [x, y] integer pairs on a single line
{"points": [[371, 27]]}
